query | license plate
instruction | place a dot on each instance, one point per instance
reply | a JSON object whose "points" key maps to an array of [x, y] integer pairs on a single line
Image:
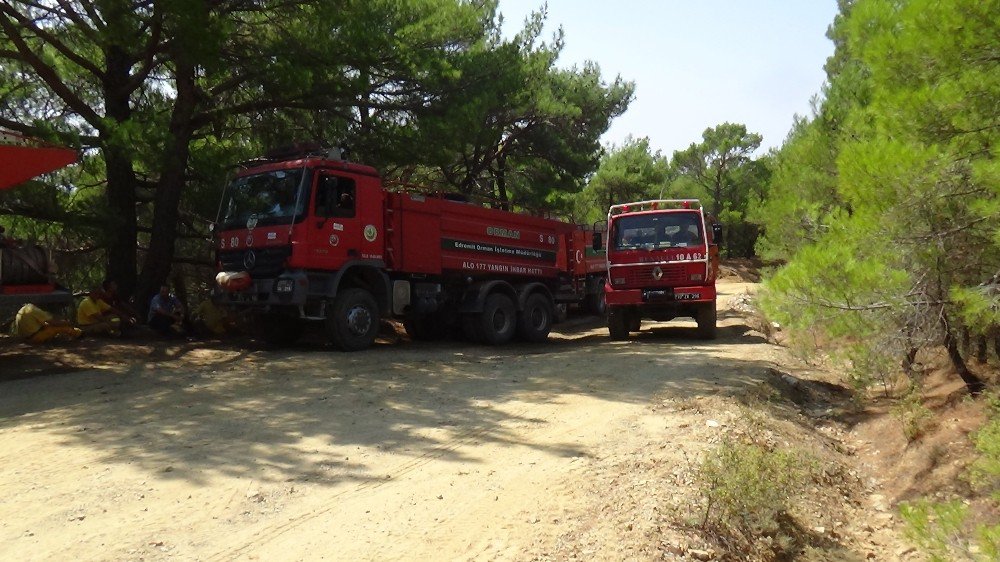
{"points": [[686, 296]]}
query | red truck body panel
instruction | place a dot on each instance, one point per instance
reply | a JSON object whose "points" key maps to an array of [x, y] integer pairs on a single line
{"points": [[407, 233], [438, 236]]}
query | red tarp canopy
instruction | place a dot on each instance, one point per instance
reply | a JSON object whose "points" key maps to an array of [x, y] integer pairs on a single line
{"points": [[22, 158]]}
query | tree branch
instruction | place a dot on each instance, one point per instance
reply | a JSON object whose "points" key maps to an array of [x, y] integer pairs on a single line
{"points": [[51, 40], [49, 75]]}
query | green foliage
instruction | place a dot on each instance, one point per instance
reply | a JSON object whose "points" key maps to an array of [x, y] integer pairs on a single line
{"points": [[631, 172], [937, 528], [945, 532], [985, 471], [912, 415], [164, 98], [746, 488], [894, 175], [734, 183], [951, 530]]}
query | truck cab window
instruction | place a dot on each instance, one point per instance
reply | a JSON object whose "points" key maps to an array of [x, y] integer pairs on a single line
{"points": [[335, 197]]}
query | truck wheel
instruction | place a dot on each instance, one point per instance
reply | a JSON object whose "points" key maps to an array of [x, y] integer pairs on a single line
{"points": [[535, 321], [634, 321], [498, 320], [617, 324], [354, 322], [706, 321], [279, 330], [597, 304]]}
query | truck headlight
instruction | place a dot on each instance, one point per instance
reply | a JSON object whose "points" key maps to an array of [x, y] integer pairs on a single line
{"points": [[284, 285], [697, 277], [618, 281]]}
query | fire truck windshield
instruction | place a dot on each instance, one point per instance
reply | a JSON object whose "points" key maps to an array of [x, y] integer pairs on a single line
{"points": [[269, 198], [658, 230]]}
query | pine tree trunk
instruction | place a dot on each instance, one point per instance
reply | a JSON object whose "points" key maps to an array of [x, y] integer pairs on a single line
{"points": [[166, 210], [121, 187], [501, 181], [972, 382], [981, 355], [908, 360]]}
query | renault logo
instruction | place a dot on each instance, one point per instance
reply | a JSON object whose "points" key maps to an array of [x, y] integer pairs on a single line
{"points": [[657, 273], [249, 260]]}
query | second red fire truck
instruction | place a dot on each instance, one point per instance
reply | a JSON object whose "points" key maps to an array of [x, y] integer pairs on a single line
{"points": [[663, 260]]}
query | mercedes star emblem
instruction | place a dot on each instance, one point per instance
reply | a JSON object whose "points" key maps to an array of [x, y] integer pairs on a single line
{"points": [[249, 260]]}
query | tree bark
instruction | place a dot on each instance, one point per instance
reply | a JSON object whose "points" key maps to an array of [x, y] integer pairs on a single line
{"points": [[166, 209], [121, 198], [972, 382], [908, 360], [981, 354], [501, 181]]}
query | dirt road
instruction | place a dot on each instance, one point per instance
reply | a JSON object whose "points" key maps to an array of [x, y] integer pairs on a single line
{"points": [[406, 451]]}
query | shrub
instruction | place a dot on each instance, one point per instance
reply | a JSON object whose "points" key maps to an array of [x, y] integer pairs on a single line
{"points": [[746, 488], [913, 415], [946, 531]]}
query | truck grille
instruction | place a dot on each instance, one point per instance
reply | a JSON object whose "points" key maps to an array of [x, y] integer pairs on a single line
{"points": [[265, 262], [642, 275]]}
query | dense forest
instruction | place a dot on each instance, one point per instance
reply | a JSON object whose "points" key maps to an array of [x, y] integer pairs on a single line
{"points": [[879, 210], [163, 98]]}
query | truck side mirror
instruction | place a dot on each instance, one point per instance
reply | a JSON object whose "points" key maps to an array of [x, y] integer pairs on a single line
{"points": [[716, 233], [598, 241]]}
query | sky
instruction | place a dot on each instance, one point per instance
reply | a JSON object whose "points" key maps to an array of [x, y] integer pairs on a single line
{"points": [[696, 63]]}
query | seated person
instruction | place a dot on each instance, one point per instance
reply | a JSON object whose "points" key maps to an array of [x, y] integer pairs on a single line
{"points": [[37, 326], [120, 306], [96, 317], [211, 320], [166, 314], [687, 235]]}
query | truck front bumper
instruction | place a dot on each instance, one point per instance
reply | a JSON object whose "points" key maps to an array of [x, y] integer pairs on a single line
{"points": [[288, 289], [659, 295]]}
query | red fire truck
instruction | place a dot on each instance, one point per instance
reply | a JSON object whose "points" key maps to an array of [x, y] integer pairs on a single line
{"points": [[313, 237], [663, 258], [25, 269]]}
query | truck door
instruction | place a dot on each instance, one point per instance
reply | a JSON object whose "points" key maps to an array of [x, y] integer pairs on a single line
{"points": [[348, 221]]}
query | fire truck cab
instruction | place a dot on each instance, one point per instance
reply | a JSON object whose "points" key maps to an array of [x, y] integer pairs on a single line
{"points": [[663, 259]]}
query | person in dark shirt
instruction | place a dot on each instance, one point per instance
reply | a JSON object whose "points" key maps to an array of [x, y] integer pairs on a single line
{"points": [[166, 314]]}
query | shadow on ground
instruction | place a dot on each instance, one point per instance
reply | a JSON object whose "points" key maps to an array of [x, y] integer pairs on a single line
{"points": [[224, 410]]}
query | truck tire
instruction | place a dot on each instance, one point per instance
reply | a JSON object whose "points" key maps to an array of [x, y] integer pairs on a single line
{"points": [[597, 304], [498, 320], [633, 321], [535, 321], [706, 319], [618, 323], [279, 330], [354, 322]]}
